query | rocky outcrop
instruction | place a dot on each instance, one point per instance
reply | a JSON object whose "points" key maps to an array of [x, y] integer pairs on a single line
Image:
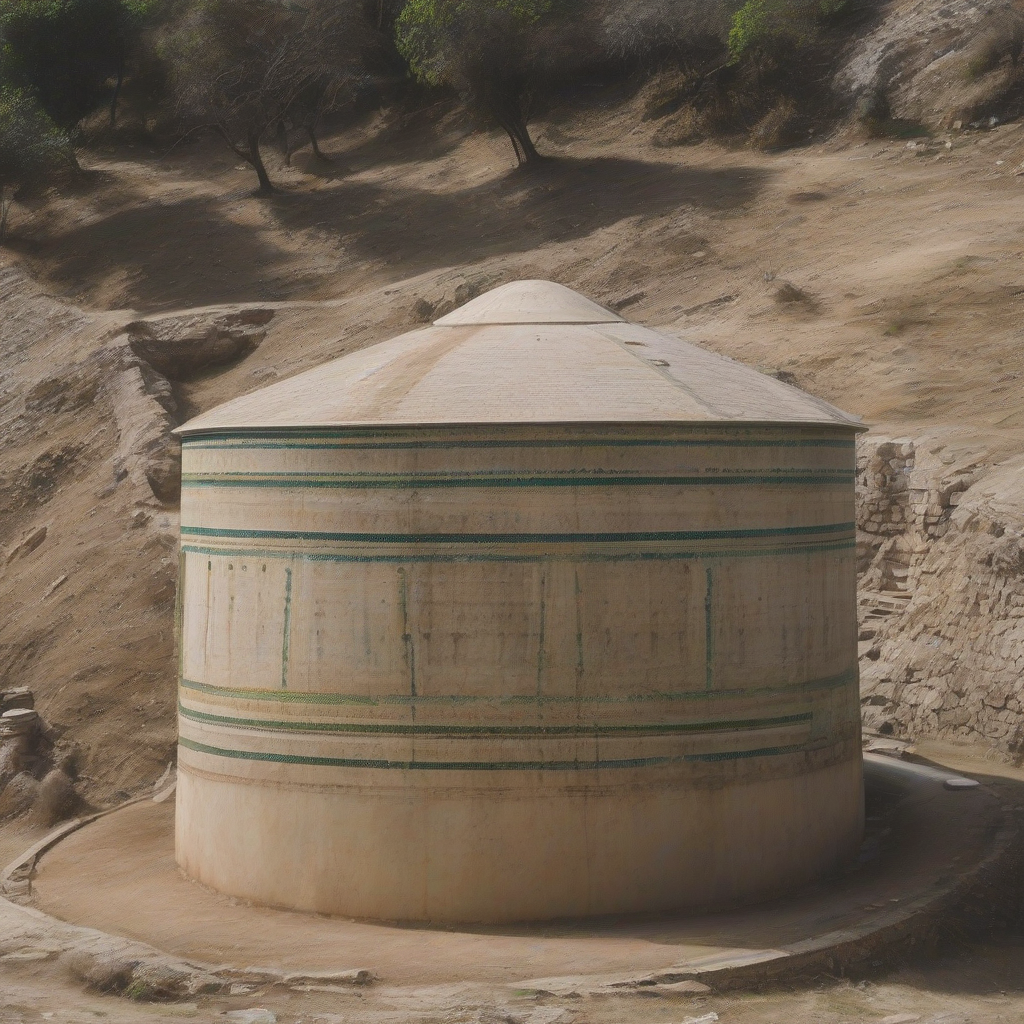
{"points": [[182, 345], [941, 544], [940, 62]]}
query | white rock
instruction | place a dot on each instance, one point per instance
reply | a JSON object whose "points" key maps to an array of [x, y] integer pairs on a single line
{"points": [[254, 1015]]}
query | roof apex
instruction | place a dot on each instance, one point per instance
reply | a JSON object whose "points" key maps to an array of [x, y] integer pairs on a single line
{"points": [[529, 302]]}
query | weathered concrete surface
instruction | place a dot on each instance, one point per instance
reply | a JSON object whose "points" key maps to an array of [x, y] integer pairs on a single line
{"points": [[531, 614], [902, 897]]}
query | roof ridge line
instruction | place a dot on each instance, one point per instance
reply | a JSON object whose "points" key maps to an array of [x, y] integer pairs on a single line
{"points": [[703, 403]]}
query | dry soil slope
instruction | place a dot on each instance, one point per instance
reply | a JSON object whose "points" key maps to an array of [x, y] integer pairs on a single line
{"points": [[906, 307]]}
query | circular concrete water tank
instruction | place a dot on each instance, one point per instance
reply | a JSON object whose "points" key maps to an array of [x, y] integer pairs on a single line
{"points": [[531, 613]]}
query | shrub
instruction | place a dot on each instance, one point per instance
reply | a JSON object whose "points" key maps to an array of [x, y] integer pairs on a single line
{"points": [[67, 52], [32, 148], [649, 33], [245, 67], [763, 22], [1003, 41], [494, 53]]}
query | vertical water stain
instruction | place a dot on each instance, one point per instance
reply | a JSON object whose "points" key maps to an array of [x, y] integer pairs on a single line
{"points": [[709, 639], [286, 639]]}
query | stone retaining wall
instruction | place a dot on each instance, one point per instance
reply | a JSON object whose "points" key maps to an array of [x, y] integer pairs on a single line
{"points": [[941, 591]]}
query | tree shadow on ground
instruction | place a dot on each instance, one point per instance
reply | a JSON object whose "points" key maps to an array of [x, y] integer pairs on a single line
{"points": [[157, 255], [414, 230], [187, 252], [415, 136]]}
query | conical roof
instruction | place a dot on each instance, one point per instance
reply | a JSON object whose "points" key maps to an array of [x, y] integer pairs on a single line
{"points": [[527, 352]]}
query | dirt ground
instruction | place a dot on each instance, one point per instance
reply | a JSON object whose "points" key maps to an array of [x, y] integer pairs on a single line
{"points": [[885, 276]]}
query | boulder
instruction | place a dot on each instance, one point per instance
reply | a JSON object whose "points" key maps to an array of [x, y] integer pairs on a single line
{"points": [[56, 799], [181, 346], [18, 795]]}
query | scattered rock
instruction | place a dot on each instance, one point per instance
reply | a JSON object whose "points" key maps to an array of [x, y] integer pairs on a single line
{"points": [[182, 345], [787, 292], [423, 311], [55, 585], [255, 1015], [56, 800], [164, 475], [18, 795], [27, 544], [65, 392]]}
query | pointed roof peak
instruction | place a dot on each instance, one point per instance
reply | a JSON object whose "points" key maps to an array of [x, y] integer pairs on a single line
{"points": [[527, 353], [529, 302]]}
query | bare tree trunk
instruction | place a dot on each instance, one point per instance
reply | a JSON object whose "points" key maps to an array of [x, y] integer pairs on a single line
{"points": [[117, 90], [515, 143], [254, 157], [283, 144], [314, 142], [5, 206], [530, 154], [507, 110]]}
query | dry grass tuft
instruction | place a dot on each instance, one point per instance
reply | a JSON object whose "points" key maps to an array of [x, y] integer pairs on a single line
{"points": [[779, 128]]}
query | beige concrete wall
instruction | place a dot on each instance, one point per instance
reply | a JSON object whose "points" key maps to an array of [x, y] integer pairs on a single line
{"points": [[495, 674]]}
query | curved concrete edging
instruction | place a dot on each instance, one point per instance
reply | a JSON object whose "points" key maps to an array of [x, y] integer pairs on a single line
{"points": [[128, 966]]}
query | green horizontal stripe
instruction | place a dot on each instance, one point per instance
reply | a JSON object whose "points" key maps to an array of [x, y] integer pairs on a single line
{"points": [[591, 556], [486, 766], [405, 482], [406, 729], [241, 440], [521, 538], [503, 700]]}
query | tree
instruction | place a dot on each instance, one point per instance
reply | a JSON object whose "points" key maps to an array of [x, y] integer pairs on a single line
{"points": [[658, 35], [67, 52], [493, 52], [32, 148], [246, 68]]}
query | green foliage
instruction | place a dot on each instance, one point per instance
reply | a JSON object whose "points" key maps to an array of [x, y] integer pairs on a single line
{"points": [[30, 144], [69, 53], [761, 22], [430, 32], [32, 148]]}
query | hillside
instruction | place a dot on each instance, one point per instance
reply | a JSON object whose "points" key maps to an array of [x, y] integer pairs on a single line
{"points": [[883, 275]]}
